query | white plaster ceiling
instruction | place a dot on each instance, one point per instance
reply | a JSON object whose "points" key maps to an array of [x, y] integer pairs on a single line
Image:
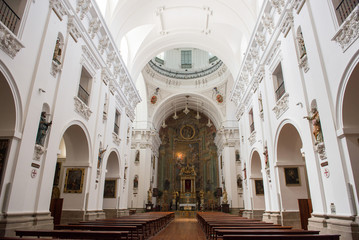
{"points": [[145, 28]]}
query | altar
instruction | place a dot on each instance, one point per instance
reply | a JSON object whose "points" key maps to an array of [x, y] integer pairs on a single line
{"points": [[187, 206]]}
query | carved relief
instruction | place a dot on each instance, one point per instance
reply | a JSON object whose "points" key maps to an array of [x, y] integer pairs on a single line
{"points": [[82, 108], [39, 151], [94, 27], [73, 29], [282, 105], [9, 42], [83, 6], [59, 8], [116, 139], [252, 138], [349, 31]]}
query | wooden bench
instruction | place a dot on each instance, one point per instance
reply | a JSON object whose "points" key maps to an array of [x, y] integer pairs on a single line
{"points": [[74, 234], [219, 233], [282, 237]]}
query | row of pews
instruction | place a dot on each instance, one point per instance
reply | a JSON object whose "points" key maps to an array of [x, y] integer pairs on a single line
{"points": [[137, 226], [217, 225]]}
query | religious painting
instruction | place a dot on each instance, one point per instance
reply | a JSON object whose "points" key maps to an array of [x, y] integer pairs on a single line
{"points": [[292, 176], [110, 188], [187, 132], [4, 145], [259, 186], [57, 174], [74, 180]]}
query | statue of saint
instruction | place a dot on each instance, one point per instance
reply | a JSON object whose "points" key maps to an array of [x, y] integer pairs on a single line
{"points": [[225, 197], [100, 156], [135, 182], [41, 132], [317, 129], [149, 196], [265, 153]]}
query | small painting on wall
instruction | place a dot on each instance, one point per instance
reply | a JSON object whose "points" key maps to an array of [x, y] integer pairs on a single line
{"points": [[292, 176], [74, 180], [259, 186], [110, 188]]}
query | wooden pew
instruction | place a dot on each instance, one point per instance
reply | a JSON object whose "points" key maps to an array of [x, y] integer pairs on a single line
{"points": [[74, 234], [219, 233], [282, 237]]}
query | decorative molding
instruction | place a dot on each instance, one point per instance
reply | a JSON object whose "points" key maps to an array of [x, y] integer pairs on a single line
{"points": [[103, 44], [9, 42], [105, 76], [282, 105], [267, 21], [254, 54], [298, 5], [130, 113], [90, 57], [94, 27], [287, 23], [278, 5], [38, 152], [82, 7], [303, 63], [82, 108], [55, 68], [116, 139], [320, 149], [349, 30], [59, 8], [73, 28], [275, 49], [240, 112], [252, 138], [261, 40]]}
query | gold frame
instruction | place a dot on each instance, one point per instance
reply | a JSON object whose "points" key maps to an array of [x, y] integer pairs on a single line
{"points": [[298, 183], [181, 132], [82, 176], [115, 188]]}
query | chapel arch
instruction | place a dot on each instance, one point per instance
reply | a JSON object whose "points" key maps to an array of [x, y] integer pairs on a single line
{"points": [[111, 185], [7, 124], [292, 175], [257, 189], [349, 117], [72, 167]]}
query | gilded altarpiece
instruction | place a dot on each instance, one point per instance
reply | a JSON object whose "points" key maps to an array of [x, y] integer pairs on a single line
{"points": [[187, 141]]}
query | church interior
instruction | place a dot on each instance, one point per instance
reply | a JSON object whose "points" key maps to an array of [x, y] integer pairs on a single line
{"points": [[179, 112]]}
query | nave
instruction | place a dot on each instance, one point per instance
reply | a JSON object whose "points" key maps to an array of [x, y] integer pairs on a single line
{"points": [[164, 225]]}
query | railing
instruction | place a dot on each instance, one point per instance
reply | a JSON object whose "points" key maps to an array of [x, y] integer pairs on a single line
{"points": [[344, 8], [280, 91], [8, 17], [252, 127], [116, 128], [185, 75], [83, 95], [186, 65]]}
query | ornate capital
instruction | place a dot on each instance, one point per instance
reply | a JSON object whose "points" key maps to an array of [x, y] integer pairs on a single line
{"points": [[73, 28], [59, 8], [287, 23]]}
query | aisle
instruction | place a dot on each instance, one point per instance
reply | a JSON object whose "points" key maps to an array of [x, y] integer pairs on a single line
{"points": [[181, 229]]}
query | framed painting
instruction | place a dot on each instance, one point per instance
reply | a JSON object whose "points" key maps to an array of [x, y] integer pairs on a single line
{"points": [[110, 188], [259, 186], [4, 145], [57, 174], [292, 176], [74, 180]]}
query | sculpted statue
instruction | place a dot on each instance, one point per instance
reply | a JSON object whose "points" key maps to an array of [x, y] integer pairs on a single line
{"points": [[149, 196], [317, 129], [41, 132], [225, 197]]}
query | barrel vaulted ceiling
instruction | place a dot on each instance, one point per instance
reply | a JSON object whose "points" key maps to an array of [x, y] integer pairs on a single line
{"points": [[144, 28]]}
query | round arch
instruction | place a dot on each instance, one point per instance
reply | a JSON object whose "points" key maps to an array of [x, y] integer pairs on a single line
{"points": [[178, 101], [257, 188]]}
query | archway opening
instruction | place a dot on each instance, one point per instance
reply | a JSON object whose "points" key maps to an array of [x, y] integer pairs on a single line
{"points": [[68, 196], [257, 190], [111, 186], [350, 119], [292, 175], [187, 162], [7, 123]]}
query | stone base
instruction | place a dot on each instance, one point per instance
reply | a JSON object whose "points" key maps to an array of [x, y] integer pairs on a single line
{"points": [[234, 211], [272, 217], [347, 227], [253, 214], [93, 215], [10, 222], [72, 216], [124, 212], [291, 219]]}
